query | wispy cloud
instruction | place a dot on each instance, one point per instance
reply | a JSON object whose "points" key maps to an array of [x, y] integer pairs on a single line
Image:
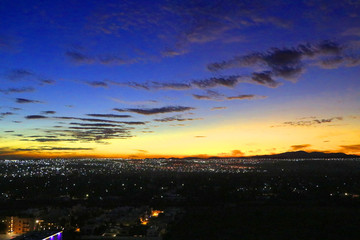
{"points": [[213, 95], [312, 122], [176, 118], [218, 108], [24, 100], [151, 111], [17, 90], [48, 112], [82, 58], [78, 57], [97, 84], [65, 149], [212, 82], [134, 102], [299, 147], [4, 114], [108, 115], [19, 74], [229, 81], [210, 95], [246, 97]]}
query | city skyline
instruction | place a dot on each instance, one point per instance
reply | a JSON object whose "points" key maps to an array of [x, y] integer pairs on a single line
{"points": [[178, 78]]}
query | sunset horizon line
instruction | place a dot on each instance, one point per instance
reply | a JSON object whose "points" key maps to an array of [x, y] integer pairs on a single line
{"points": [[159, 156]]}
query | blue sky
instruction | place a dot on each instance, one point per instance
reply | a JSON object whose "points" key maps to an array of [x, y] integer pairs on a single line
{"points": [[192, 77]]}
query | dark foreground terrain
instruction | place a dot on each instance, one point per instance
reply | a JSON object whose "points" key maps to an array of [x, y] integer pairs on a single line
{"points": [[218, 199]]}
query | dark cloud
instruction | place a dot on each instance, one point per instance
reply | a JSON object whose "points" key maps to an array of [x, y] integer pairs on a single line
{"points": [[95, 124], [210, 95], [108, 115], [25, 75], [134, 123], [35, 117], [229, 81], [47, 81], [289, 63], [264, 78], [52, 140], [24, 100], [213, 95], [301, 146], [154, 85], [338, 61], [95, 127], [65, 148], [176, 118], [88, 130], [174, 86], [53, 149], [151, 111], [312, 122], [97, 84], [48, 112], [144, 86], [225, 81], [112, 125], [4, 114], [96, 120], [17, 90], [78, 57], [246, 96]]}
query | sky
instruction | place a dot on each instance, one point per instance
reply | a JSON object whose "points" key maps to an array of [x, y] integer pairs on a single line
{"points": [[178, 78]]}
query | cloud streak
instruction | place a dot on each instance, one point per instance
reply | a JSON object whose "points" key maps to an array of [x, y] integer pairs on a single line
{"points": [[176, 119], [312, 122], [35, 117], [246, 97], [17, 90], [299, 147], [24, 100], [79, 57], [97, 84], [108, 115], [152, 111]]}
